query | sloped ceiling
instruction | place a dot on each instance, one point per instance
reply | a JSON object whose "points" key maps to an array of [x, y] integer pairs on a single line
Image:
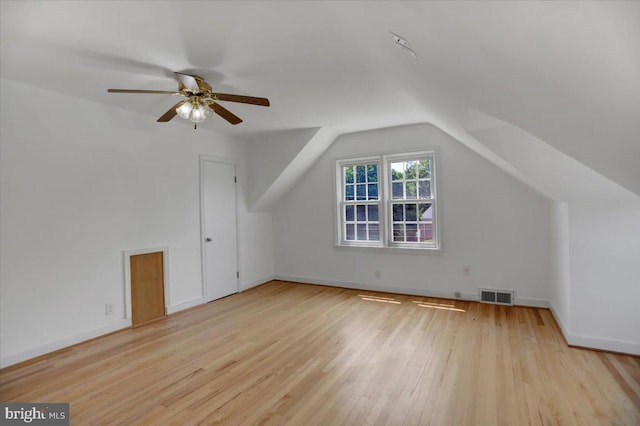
{"points": [[566, 72]]}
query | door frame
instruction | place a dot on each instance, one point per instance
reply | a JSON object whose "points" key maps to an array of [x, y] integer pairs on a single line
{"points": [[128, 314], [203, 159]]}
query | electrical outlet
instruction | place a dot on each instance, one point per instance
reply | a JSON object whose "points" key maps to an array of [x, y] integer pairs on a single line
{"points": [[466, 270], [458, 294], [108, 309]]}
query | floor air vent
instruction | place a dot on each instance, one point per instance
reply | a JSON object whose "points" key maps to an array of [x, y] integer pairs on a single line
{"points": [[498, 297]]}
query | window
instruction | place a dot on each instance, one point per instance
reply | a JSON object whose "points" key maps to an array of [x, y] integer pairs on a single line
{"points": [[360, 203], [388, 201], [410, 201]]}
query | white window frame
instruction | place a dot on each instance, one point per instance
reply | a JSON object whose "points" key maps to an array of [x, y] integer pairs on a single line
{"points": [[385, 202], [389, 201], [341, 220]]}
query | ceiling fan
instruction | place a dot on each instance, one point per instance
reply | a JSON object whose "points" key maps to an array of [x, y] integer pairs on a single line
{"points": [[200, 100]]}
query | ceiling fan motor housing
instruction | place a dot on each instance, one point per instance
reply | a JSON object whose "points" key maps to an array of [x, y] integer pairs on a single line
{"points": [[204, 87]]}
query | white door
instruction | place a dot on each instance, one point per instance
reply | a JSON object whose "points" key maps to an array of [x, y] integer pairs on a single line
{"points": [[219, 230]]}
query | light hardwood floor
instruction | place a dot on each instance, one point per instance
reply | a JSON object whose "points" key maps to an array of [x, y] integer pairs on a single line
{"points": [[286, 353]]}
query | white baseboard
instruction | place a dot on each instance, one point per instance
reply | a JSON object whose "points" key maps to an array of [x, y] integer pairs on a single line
{"points": [[414, 291], [563, 327], [603, 343], [531, 302], [517, 301], [63, 343], [82, 337], [184, 305], [255, 283], [593, 342], [589, 342], [369, 287]]}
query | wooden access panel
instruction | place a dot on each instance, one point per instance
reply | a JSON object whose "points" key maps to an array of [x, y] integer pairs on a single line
{"points": [[147, 288]]}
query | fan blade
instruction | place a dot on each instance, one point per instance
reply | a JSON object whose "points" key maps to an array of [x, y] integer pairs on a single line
{"points": [[160, 92], [225, 113], [189, 82], [167, 116], [242, 99]]}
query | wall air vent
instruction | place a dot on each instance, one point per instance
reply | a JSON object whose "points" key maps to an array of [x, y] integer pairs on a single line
{"points": [[497, 297]]}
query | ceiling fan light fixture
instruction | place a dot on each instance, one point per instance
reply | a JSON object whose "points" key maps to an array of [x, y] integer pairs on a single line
{"points": [[194, 110], [199, 113], [184, 110]]}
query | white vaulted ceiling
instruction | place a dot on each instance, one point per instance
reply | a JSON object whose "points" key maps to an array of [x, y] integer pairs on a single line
{"points": [[567, 73]]}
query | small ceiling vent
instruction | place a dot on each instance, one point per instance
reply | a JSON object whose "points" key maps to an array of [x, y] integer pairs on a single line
{"points": [[403, 44], [497, 297]]}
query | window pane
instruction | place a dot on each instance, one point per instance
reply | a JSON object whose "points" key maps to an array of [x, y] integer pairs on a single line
{"points": [[396, 189], [372, 173], [362, 213], [361, 192], [426, 231], [362, 231], [411, 168], [361, 175], [411, 212], [424, 169], [398, 213], [397, 171], [398, 232], [348, 174], [424, 189], [373, 213], [425, 212], [411, 191], [348, 193], [374, 232], [412, 232], [373, 191], [348, 213], [351, 232]]}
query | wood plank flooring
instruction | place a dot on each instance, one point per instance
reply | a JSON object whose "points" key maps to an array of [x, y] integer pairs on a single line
{"points": [[286, 353]]}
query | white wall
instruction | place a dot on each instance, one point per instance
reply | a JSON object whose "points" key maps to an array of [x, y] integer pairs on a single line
{"points": [[605, 277], [269, 156], [595, 238], [560, 264], [255, 232], [286, 156], [490, 221], [77, 190]]}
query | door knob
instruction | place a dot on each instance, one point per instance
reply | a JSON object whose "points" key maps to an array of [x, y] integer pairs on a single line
{"points": [[208, 240]]}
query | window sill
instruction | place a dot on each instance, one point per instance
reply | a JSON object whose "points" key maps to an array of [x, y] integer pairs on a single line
{"points": [[391, 250]]}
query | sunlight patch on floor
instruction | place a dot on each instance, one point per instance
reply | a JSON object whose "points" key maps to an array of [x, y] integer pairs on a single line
{"points": [[380, 299], [443, 306]]}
